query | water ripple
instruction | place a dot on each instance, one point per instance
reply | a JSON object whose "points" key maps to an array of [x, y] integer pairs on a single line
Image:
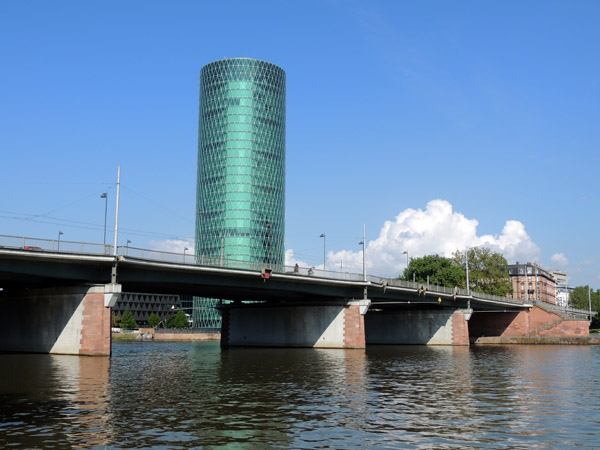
{"points": [[194, 395]]}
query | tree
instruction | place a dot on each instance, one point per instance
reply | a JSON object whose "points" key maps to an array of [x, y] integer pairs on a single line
{"points": [[441, 271], [153, 320], [579, 299], [488, 271], [127, 320], [178, 320], [114, 319]]}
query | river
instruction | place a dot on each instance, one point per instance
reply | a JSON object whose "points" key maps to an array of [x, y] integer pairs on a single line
{"points": [[151, 395]]}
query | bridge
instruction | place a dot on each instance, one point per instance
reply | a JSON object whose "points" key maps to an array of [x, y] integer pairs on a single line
{"points": [[65, 290]]}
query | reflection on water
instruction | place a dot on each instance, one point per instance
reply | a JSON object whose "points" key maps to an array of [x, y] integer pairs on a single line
{"points": [[194, 395], [53, 401]]}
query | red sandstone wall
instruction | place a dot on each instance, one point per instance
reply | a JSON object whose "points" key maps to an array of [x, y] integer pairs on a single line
{"points": [[568, 328], [539, 319], [95, 333], [354, 327], [498, 324], [460, 329], [536, 322]]}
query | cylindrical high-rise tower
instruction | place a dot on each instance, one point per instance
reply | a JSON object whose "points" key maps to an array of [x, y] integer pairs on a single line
{"points": [[240, 201]]}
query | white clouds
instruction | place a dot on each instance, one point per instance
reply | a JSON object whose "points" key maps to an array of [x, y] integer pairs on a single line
{"points": [[514, 243], [560, 260], [173, 245], [290, 259], [437, 229]]}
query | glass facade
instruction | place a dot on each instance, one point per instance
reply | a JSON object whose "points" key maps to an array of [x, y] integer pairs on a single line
{"points": [[240, 201]]}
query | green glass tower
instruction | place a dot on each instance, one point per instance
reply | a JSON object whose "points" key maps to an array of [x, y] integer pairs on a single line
{"points": [[240, 200]]}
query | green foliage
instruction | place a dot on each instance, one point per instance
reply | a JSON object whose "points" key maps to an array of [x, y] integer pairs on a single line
{"points": [[153, 320], [441, 271], [127, 321], [178, 320], [579, 299], [114, 319], [488, 271]]}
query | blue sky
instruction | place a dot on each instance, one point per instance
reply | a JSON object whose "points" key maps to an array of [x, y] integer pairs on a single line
{"points": [[440, 125]]}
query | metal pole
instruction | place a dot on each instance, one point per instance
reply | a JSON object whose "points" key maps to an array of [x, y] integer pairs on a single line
{"points": [[467, 268], [58, 246], [364, 252], [222, 245], [323, 236], [526, 282], [105, 197], [201, 236], [590, 301], [117, 211]]}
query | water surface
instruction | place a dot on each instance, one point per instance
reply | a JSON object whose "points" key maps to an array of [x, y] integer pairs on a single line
{"points": [[195, 395]]}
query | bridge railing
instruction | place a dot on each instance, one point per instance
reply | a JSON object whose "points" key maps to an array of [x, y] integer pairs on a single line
{"points": [[54, 245], [573, 313], [231, 263], [87, 248]]}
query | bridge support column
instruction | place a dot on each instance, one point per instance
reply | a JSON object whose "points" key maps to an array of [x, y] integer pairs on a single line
{"points": [[67, 320], [441, 327], [330, 325]]}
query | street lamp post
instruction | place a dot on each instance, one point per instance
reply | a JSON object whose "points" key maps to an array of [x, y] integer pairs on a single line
{"points": [[363, 255], [127, 246], [323, 236], [467, 269], [201, 212], [590, 301], [105, 197], [405, 252], [60, 233], [184, 250], [363, 242]]}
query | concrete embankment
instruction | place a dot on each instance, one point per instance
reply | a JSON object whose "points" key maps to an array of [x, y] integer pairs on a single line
{"points": [[541, 340], [150, 334]]}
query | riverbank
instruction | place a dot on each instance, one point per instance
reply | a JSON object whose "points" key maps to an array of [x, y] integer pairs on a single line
{"points": [[151, 334], [538, 340]]}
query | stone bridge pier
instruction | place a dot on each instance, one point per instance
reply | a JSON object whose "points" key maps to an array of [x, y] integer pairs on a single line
{"points": [[331, 324], [429, 327], [73, 320]]}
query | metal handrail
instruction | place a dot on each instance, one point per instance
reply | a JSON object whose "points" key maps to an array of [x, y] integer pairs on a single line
{"points": [[54, 245], [191, 259]]}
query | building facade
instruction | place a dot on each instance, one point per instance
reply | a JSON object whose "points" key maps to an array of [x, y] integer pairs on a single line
{"points": [[532, 283], [142, 305], [240, 196], [563, 291]]}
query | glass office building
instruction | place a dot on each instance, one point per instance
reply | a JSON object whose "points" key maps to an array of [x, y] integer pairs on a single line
{"points": [[240, 201]]}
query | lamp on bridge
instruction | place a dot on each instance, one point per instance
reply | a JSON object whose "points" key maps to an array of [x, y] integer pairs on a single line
{"points": [[323, 236], [105, 197], [405, 252], [184, 250], [201, 213], [363, 251], [60, 233]]}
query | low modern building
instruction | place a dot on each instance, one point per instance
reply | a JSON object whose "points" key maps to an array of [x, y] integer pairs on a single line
{"points": [[532, 283], [563, 291], [142, 305]]}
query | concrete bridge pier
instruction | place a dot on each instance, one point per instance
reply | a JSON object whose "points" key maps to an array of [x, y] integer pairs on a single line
{"points": [[432, 327], [73, 320], [331, 324]]}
